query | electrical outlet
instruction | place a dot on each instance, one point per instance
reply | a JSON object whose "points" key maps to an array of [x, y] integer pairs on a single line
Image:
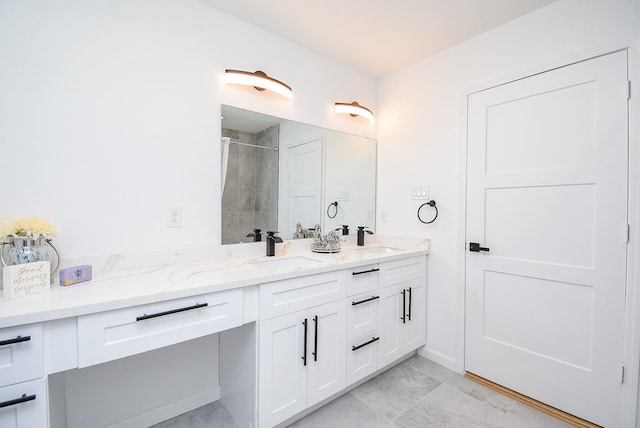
{"points": [[174, 217], [384, 215]]}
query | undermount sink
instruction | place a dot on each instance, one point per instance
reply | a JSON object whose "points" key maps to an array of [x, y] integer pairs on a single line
{"points": [[380, 250], [288, 263]]}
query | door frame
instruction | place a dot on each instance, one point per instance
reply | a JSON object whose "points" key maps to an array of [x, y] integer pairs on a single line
{"points": [[631, 352]]}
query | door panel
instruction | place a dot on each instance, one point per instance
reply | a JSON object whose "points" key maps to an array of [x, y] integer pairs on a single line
{"points": [[390, 325], [414, 330], [550, 224], [283, 385], [327, 368], [547, 193], [303, 175]]}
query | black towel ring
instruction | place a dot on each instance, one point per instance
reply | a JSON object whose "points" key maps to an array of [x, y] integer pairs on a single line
{"points": [[431, 203], [332, 204]]}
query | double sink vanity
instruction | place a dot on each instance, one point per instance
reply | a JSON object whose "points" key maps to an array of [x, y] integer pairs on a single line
{"points": [[291, 331]]}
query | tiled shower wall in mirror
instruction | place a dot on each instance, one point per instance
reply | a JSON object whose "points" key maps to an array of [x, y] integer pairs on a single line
{"points": [[250, 195]]}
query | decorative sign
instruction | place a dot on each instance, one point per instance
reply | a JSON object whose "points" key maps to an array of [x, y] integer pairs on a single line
{"points": [[26, 279]]}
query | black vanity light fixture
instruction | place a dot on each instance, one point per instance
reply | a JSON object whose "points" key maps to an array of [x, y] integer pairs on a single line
{"points": [[259, 80], [354, 109]]}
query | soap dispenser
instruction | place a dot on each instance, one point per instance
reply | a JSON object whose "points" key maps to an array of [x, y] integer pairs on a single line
{"points": [[361, 232], [271, 243], [256, 235], [345, 229]]}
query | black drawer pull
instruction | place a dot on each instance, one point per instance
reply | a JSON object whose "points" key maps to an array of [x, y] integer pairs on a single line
{"points": [[404, 306], [365, 301], [16, 340], [410, 294], [365, 271], [373, 339], [173, 311], [15, 401]]}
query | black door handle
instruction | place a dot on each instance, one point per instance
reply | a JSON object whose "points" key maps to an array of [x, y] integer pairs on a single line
{"points": [[304, 354], [404, 307], [475, 247], [315, 339]]}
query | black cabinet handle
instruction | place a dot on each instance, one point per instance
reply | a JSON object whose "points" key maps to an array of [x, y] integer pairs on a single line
{"points": [[304, 353], [16, 340], [365, 300], [410, 294], [404, 306], [173, 311], [373, 339], [474, 247], [315, 339], [365, 271], [15, 401]]}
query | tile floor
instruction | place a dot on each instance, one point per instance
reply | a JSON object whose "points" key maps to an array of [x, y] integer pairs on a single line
{"points": [[415, 393]]}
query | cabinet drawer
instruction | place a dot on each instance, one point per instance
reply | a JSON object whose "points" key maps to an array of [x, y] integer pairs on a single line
{"points": [[24, 404], [291, 295], [21, 354], [362, 279], [362, 314], [362, 357], [397, 271], [115, 334]]}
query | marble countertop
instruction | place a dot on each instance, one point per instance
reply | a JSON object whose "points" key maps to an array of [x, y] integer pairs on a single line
{"points": [[121, 281]]}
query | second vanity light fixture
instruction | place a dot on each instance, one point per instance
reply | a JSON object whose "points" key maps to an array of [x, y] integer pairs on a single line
{"points": [[259, 80], [354, 109]]}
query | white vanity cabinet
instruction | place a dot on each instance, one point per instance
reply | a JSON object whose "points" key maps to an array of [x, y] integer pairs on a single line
{"points": [[23, 387], [401, 308], [301, 354], [279, 344]]}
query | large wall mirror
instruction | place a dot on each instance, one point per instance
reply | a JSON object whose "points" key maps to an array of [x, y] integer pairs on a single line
{"points": [[277, 173]]}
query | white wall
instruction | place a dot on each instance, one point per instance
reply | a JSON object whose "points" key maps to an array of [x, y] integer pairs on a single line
{"points": [[110, 114], [419, 134]]}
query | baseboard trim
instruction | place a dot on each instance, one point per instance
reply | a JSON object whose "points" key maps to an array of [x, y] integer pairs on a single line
{"points": [[171, 410], [545, 408]]}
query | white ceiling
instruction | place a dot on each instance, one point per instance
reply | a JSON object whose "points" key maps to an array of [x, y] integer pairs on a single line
{"points": [[377, 37]]}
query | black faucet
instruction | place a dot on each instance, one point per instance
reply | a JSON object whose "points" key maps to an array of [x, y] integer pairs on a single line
{"points": [[345, 229], [271, 243], [361, 233], [257, 236]]}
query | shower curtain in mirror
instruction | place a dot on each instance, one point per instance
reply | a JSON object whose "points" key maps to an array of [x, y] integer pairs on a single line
{"points": [[225, 141]]}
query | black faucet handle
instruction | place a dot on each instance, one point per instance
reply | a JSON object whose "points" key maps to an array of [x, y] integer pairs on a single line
{"points": [[256, 235]]}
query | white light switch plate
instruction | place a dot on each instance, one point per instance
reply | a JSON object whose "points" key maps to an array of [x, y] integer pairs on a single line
{"points": [[420, 191]]}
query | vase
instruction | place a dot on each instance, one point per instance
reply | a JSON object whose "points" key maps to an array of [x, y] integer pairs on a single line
{"points": [[27, 249]]}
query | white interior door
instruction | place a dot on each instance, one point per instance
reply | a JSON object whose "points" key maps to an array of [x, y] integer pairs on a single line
{"points": [[547, 195], [303, 175]]}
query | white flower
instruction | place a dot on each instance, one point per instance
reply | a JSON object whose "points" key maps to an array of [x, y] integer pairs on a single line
{"points": [[30, 226]]}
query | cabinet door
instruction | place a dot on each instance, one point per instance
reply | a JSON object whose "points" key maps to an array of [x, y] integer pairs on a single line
{"points": [[390, 306], [327, 356], [282, 371], [413, 331]]}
